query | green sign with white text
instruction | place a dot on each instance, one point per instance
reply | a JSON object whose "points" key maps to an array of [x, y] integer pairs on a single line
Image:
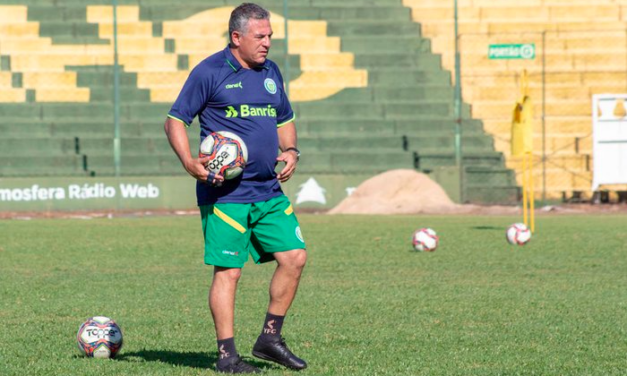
{"points": [[512, 51], [319, 191]]}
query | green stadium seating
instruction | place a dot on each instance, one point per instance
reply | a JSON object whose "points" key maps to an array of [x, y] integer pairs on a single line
{"points": [[401, 117]]}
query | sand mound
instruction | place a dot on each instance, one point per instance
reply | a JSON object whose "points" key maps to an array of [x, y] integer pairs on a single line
{"points": [[409, 192], [397, 192]]}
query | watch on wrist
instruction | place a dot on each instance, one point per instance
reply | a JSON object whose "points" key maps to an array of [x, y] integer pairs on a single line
{"points": [[296, 150]]}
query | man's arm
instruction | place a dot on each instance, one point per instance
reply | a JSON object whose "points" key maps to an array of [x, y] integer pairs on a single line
{"points": [[177, 136], [287, 139]]}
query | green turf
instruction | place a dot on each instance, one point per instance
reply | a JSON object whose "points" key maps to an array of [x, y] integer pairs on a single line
{"points": [[368, 304]]}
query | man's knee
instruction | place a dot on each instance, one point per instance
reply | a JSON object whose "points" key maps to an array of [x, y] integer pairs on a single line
{"points": [[296, 258], [300, 258], [230, 274]]}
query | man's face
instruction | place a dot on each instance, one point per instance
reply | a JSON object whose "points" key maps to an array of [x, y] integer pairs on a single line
{"points": [[254, 45]]}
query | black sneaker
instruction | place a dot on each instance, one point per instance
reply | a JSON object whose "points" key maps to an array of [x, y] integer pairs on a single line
{"points": [[275, 350], [235, 364]]}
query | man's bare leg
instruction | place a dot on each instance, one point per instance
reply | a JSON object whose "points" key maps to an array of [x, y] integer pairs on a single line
{"points": [[222, 300], [285, 280], [283, 287], [222, 305]]}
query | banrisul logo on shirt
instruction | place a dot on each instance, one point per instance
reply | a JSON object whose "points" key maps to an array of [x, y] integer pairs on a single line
{"points": [[270, 85], [246, 110], [231, 112]]}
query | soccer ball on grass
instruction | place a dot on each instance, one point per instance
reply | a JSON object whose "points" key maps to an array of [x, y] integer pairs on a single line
{"points": [[99, 337], [228, 154], [425, 240], [518, 234]]}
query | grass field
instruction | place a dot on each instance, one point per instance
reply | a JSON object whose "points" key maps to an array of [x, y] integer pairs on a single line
{"points": [[368, 304]]}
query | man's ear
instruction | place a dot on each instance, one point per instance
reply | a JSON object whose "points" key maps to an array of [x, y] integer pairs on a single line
{"points": [[235, 38]]}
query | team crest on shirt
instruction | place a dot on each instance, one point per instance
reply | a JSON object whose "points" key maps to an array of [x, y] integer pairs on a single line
{"points": [[270, 85]]}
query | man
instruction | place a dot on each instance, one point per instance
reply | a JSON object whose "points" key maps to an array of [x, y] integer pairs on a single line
{"points": [[241, 91]]}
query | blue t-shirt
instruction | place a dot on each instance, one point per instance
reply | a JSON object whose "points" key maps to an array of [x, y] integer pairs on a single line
{"points": [[248, 102]]}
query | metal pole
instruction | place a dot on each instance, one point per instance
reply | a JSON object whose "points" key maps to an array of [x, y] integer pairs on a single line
{"points": [[458, 111], [544, 116], [286, 72], [116, 92]]}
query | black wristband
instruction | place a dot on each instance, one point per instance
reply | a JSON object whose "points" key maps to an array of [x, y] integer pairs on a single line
{"points": [[296, 150]]}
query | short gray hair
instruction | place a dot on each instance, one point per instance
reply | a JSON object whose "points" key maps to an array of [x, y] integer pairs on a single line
{"points": [[241, 15]]}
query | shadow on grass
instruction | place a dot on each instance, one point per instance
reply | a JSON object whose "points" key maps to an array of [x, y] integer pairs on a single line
{"points": [[186, 359], [487, 228]]}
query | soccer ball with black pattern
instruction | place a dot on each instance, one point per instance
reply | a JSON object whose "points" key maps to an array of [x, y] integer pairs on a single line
{"points": [[99, 337], [228, 154], [425, 240], [518, 234]]}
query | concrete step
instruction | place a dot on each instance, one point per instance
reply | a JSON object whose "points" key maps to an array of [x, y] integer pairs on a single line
{"points": [[406, 76], [396, 94], [139, 165], [492, 195], [29, 146], [478, 176], [368, 126], [36, 165], [385, 44], [84, 128], [429, 159], [424, 61], [357, 161], [352, 110], [369, 27]]}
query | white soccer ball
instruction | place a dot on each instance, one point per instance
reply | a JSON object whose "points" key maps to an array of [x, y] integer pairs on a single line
{"points": [[228, 154], [425, 240], [99, 337], [518, 234]]}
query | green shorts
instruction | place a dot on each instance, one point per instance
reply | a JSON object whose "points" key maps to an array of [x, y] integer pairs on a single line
{"points": [[233, 231]]}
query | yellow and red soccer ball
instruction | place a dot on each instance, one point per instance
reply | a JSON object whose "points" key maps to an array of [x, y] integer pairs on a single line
{"points": [[99, 337], [518, 234], [228, 154], [425, 240]]}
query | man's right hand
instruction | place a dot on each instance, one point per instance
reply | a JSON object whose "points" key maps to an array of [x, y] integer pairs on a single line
{"points": [[196, 168]]}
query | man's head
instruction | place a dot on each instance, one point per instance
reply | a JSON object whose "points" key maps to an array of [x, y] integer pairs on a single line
{"points": [[249, 34]]}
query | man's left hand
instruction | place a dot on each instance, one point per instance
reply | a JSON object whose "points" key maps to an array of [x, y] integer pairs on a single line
{"points": [[290, 159]]}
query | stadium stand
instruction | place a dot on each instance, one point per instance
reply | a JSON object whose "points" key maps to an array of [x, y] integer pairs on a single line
{"points": [[369, 93], [582, 45]]}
